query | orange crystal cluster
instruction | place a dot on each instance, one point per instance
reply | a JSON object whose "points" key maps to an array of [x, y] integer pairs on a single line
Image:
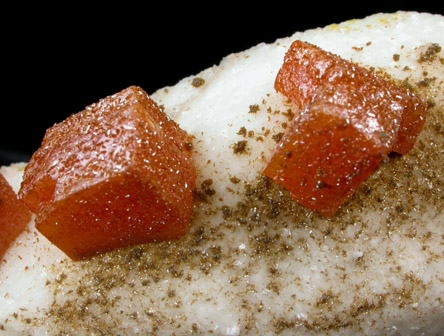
{"points": [[348, 120]]}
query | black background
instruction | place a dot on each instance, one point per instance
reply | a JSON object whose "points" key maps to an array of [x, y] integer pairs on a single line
{"points": [[57, 60]]}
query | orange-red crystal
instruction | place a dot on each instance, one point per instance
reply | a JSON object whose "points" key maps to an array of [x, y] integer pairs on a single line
{"points": [[118, 173], [348, 120], [14, 215]]}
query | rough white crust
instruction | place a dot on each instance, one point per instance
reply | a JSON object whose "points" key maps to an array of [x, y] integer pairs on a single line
{"points": [[255, 263]]}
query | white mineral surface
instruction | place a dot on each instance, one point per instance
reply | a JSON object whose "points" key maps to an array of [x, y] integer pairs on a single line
{"points": [[254, 261]]}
